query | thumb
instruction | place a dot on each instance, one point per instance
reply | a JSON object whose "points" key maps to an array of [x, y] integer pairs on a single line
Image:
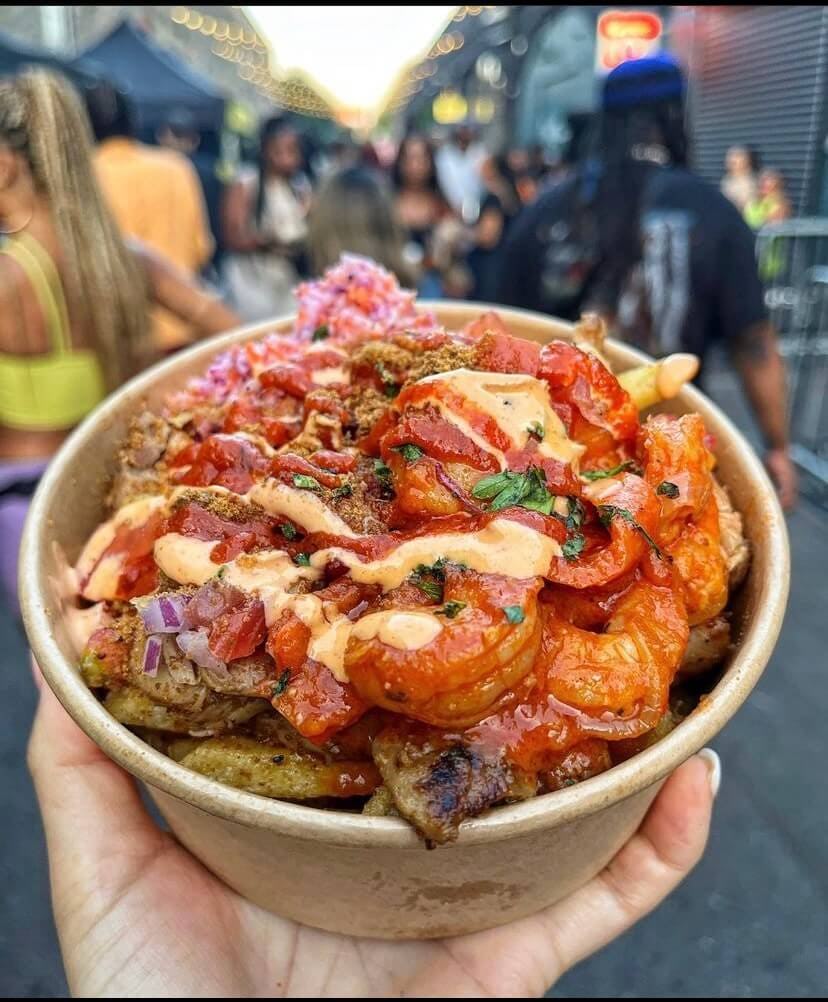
{"points": [[528, 956], [96, 826], [669, 843]]}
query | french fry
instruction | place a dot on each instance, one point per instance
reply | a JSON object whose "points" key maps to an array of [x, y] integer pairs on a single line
{"points": [[279, 772], [662, 380], [135, 708], [381, 804]]}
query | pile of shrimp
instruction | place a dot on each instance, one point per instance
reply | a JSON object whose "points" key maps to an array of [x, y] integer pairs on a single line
{"points": [[603, 632]]}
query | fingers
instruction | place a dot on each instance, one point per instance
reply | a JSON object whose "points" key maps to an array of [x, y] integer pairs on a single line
{"points": [[657, 858], [91, 808], [784, 475]]}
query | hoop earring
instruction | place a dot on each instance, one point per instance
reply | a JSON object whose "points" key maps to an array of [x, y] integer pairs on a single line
{"points": [[17, 229]]}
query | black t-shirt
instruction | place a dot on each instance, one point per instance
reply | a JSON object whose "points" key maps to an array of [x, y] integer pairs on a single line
{"points": [[696, 283]]}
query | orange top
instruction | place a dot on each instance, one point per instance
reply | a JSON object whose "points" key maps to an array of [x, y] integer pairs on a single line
{"points": [[156, 197]]}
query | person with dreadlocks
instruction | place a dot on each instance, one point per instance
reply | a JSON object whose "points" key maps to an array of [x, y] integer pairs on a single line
{"points": [[264, 226], [74, 299], [635, 235]]}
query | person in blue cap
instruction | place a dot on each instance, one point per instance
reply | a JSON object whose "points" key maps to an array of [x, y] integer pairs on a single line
{"points": [[661, 254]]}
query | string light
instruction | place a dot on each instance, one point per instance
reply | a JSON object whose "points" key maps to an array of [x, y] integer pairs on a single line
{"points": [[243, 46], [449, 41]]}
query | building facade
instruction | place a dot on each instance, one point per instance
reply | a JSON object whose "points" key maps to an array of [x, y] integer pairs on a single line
{"points": [[221, 43], [532, 74]]}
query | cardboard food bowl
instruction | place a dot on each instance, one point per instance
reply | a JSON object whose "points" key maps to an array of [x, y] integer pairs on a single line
{"points": [[372, 876]]}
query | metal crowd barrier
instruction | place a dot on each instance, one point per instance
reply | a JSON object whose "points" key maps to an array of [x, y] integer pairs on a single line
{"points": [[793, 263]]}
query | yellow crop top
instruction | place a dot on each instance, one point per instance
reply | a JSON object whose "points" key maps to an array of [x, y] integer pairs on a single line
{"points": [[52, 391]]}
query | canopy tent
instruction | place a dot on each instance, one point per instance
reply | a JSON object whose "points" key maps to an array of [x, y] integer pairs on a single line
{"points": [[16, 56], [155, 79]]}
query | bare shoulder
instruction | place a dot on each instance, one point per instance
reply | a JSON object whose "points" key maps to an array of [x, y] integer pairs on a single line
{"points": [[11, 278]]}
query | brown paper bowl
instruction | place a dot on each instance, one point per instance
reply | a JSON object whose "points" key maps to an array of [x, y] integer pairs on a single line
{"points": [[372, 876]]}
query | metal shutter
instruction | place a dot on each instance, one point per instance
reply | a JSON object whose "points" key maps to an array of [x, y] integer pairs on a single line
{"points": [[760, 77]]}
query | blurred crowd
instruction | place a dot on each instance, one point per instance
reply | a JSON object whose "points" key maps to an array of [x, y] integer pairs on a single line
{"points": [[114, 252]]}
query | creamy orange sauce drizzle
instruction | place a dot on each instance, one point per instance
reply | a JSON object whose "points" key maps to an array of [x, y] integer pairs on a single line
{"points": [[502, 547], [517, 403], [329, 375], [403, 630], [103, 580]]}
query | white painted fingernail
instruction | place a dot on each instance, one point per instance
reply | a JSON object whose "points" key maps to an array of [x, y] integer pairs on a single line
{"points": [[714, 768]]}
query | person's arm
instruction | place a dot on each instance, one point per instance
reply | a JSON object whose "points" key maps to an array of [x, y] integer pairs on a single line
{"points": [[489, 228], [196, 210], [755, 353], [238, 233], [751, 342], [183, 296]]}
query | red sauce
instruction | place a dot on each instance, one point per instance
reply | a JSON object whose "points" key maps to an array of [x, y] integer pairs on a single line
{"points": [[287, 466], [232, 538], [222, 461], [291, 379], [439, 438], [580, 380], [236, 633], [139, 575], [498, 351]]}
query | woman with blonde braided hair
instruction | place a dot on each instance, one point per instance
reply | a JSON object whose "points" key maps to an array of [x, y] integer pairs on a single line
{"points": [[74, 298]]}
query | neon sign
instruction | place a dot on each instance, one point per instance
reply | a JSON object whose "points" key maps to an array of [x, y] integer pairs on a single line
{"points": [[624, 35]]}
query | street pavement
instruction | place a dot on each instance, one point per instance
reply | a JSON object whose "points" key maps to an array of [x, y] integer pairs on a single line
{"points": [[750, 922]]}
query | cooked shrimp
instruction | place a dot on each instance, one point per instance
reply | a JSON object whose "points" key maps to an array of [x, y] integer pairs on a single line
{"points": [[448, 666], [698, 558], [631, 509], [678, 467], [608, 685]]}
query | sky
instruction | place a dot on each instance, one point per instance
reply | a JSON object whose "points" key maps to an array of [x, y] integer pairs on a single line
{"points": [[355, 53]]}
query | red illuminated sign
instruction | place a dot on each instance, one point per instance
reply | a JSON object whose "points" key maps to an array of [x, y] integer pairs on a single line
{"points": [[624, 35]]}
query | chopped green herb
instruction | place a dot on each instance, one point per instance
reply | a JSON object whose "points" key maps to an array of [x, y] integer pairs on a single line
{"points": [[429, 579], [320, 333], [281, 684], [221, 571], [536, 430], [514, 613], [607, 512], [389, 383], [306, 483], [507, 489], [344, 491], [409, 452], [385, 479], [381, 470], [288, 531], [667, 490], [301, 560], [451, 609], [441, 563], [628, 464], [575, 517], [573, 546]]}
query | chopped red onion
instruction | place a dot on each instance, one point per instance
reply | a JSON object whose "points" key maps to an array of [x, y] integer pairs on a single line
{"points": [[164, 613], [152, 655], [193, 644]]}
